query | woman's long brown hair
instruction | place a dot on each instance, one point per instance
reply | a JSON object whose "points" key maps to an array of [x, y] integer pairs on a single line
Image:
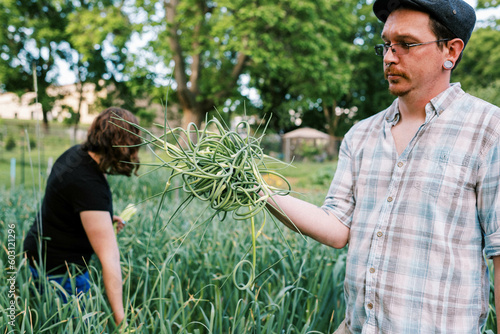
{"points": [[110, 138]]}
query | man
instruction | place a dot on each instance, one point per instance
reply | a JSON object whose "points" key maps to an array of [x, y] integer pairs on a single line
{"points": [[416, 193]]}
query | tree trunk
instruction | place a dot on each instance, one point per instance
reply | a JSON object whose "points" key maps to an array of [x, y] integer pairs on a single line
{"points": [[332, 121], [194, 106], [45, 120], [193, 116], [78, 111], [330, 116]]}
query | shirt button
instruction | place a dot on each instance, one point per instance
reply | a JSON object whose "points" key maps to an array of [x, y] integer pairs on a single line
{"points": [[370, 306], [389, 199], [379, 234], [400, 164], [372, 270]]}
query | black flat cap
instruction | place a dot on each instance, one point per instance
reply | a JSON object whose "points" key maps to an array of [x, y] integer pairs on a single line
{"points": [[456, 15]]}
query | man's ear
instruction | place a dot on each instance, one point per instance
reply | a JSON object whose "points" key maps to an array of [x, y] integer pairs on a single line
{"points": [[455, 48]]}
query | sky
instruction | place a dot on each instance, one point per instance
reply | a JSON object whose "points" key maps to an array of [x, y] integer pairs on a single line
{"points": [[67, 77], [484, 14]]}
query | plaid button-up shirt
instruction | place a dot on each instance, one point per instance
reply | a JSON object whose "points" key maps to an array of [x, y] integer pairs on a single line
{"points": [[420, 221]]}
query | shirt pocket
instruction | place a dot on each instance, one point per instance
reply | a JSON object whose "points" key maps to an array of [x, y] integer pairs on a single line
{"points": [[443, 172]]}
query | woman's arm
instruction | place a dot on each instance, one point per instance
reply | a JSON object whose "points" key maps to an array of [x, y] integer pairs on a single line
{"points": [[310, 220], [99, 229]]}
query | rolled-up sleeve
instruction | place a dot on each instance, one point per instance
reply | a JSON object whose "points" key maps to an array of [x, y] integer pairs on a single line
{"points": [[488, 200], [340, 200]]}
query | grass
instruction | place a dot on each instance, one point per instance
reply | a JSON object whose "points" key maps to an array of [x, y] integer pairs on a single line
{"points": [[45, 146], [174, 284], [307, 176]]}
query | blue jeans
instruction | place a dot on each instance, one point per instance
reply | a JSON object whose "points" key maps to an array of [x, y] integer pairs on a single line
{"points": [[82, 283]]}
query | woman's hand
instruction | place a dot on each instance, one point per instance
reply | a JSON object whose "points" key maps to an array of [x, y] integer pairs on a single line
{"points": [[119, 223]]}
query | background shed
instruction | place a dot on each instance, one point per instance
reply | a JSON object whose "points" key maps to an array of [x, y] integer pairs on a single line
{"points": [[295, 141]]}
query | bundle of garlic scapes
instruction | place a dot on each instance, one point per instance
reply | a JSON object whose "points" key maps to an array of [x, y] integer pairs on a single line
{"points": [[219, 166]]}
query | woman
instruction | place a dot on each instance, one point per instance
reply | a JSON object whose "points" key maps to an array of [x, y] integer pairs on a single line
{"points": [[76, 218]]}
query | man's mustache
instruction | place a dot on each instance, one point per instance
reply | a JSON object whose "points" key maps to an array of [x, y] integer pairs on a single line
{"points": [[391, 71]]}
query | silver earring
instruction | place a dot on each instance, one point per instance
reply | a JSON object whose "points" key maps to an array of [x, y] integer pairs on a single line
{"points": [[448, 64]]}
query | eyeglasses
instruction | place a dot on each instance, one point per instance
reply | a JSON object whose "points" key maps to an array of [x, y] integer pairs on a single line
{"points": [[400, 49]]}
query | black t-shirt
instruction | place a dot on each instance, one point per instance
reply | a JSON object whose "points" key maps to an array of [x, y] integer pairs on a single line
{"points": [[75, 184]]}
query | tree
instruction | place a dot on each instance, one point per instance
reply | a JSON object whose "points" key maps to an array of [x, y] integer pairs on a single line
{"points": [[482, 4], [314, 58], [364, 92], [296, 49], [368, 93], [99, 33], [303, 57], [90, 37], [31, 36], [479, 65]]}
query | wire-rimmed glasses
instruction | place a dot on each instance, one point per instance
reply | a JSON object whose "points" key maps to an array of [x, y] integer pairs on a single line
{"points": [[400, 49]]}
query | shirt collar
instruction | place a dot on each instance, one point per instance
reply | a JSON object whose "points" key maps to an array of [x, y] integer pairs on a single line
{"points": [[441, 102], [436, 106]]}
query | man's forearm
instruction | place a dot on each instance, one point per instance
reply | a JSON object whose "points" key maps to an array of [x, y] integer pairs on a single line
{"points": [[309, 219]]}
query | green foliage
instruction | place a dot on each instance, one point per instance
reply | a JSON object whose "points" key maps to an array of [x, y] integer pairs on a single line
{"points": [[32, 36], [359, 78], [42, 147], [106, 22], [176, 280], [489, 93], [32, 143], [146, 117], [308, 150], [368, 89], [295, 52], [74, 117], [90, 36], [308, 56], [487, 4], [479, 69], [302, 56], [323, 177], [271, 144], [10, 143]]}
